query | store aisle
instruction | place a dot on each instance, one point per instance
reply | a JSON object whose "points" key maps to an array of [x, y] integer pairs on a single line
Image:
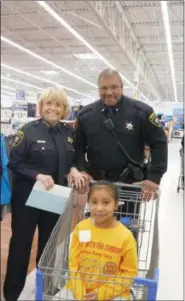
{"points": [[171, 235], [171, 230]]}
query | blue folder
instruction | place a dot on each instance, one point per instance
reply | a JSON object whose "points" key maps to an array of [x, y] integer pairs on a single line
{"points": [[53, 200]]}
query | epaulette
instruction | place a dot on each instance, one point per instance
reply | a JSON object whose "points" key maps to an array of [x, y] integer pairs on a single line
{"points": [[67, 126], [87, 109], [30, 125], [139, 105]]}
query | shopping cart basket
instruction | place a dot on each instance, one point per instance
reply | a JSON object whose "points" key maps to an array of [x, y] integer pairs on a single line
{"points": [[142, 288], [181, 177], [53, 266]]}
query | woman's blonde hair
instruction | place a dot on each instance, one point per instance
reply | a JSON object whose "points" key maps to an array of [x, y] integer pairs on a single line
{"points": [[55, 94]]}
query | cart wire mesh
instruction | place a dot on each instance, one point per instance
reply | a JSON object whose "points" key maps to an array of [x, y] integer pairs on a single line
{"points": [[181, 177], [53, 265]]}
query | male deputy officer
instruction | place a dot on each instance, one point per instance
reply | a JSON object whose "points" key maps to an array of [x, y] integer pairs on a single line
{"points": [[135, 125]]}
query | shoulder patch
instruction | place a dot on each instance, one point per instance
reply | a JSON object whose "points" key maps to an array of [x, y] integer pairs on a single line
{"points": [[18, 138], [30, 124], [76, 122], [87, 109], [66, 126], [154, 119], [141, 106]]}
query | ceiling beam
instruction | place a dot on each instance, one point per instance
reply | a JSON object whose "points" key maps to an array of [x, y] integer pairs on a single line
{"points": [[118, 26], [147, 4]]}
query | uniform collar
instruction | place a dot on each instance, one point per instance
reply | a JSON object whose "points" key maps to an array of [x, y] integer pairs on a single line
{"points": [[117, 107], [48, 126]]}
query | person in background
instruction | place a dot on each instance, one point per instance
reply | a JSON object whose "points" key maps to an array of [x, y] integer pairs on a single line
{"points": [[182, 142], [42, 151], [5, 177], [182, 156], [101, 249]]}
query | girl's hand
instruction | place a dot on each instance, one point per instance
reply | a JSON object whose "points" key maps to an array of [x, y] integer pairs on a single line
{"points": [[91, 296]]}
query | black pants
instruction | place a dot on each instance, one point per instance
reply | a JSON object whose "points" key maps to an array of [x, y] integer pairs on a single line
{"points": [[24, 222]]}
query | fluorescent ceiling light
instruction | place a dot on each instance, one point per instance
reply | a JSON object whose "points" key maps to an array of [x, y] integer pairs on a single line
{"points": [[77, 35], [86, 56], [80, 38], [14, 89], [8, 87], [50, 72], [42, 79], [9, 93], [9, 97], [41, 58], [169, 45], [20, 82]]}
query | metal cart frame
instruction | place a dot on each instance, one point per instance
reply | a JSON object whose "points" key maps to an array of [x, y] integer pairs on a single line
{"points": [[181, 177], [53, 264]]}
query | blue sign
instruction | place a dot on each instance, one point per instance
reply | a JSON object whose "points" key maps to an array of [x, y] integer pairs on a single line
{"points": [[20, 94], [178, 112], [178, 115], [74, 112], [168, 118]]}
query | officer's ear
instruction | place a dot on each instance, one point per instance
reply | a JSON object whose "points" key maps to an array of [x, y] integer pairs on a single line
{"points": [[122, 87]]}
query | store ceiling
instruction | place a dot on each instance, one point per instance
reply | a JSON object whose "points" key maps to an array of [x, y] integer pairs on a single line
{"points": [[105, 26]]}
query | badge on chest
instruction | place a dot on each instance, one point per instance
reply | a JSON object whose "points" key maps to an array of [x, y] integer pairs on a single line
{"points": [[70, 140], [129, 126], [42, 144]]}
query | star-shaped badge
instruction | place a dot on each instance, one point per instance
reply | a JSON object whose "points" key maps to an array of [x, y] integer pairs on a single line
{"points": [[129, 126], [70, 140]]}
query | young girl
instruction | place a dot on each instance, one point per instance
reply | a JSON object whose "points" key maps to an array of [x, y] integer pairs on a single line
{"points": [[102, 252]]}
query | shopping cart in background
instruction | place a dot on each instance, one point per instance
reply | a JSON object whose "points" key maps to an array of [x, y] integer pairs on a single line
{"points": [[53, 274], [181, 177]]}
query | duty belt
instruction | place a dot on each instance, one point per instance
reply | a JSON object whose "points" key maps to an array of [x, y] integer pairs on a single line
{"points": [[102, 174]]}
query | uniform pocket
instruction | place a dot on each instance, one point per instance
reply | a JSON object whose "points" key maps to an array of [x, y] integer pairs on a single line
{"points": [[41, 154], [69, 147], [41, 148]]}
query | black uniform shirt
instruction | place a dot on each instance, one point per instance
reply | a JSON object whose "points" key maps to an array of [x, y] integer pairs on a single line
{"points": [[135, 125], [41, 149]]}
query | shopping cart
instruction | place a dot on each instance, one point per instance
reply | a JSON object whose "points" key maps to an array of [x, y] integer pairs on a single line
{"points": [[53, 274], [181, 177]]}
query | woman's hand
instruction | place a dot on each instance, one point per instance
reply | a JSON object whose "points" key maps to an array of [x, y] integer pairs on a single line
{"points": [[80, 179], [46, 180]]}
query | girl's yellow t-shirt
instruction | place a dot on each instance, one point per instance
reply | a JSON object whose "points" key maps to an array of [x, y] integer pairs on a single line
{"points": [[104, 260]]}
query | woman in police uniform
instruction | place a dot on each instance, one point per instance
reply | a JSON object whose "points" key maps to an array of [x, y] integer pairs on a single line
{"points": [[42, 151]]}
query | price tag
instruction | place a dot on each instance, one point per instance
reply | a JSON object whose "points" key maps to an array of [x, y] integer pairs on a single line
{"points": [[20, 114], [6, 113]]}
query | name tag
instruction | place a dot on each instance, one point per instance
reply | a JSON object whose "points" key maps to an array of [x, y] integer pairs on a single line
{"points": [[41, 141], [84, 236]]}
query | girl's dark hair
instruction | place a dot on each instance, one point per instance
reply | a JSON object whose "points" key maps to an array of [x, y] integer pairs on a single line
{"points": [[107, 185]]}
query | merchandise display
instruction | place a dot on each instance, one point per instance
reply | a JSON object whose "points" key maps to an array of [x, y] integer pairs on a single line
{"points": [[178, 123]]}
